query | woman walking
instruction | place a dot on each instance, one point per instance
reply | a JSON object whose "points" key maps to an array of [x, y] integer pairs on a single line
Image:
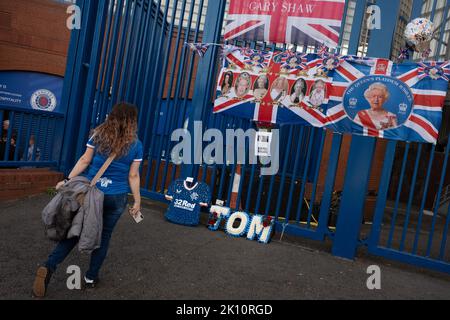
{"points": [[117, 136]]}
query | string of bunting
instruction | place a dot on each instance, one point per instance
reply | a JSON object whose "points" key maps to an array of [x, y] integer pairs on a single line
{"points": [[202, 48]]}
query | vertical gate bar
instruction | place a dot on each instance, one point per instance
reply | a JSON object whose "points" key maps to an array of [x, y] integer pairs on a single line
{"points": [[224, 165], [383, 189], [416, 9], [353, 197], [82, 43], [250, 187], [91, 81], [185, 57], [438, 198], [103, 103], [269, 195], [242, 165], [44, 143], [243, 170], [120, 57], [182, 113], [154, 84], [205, 74], [109, 43], [283, 175], [294, 175], [252, 173], [160, 96], [18, 138], [27, 137], [129, 50], [442, 30], [12, 117], [37, 137], [411, 196], [344, 20], [305, 176], [316, 175], [115, 64], [214, 165], [135, 63], [444, 235], [397, 198], [233, 164], [218, 124], [143, 58], [424, 199], [144, 103], [171, 106], [358, 20], [433, 10], [53, 122], [260, 191], [2, 115]]}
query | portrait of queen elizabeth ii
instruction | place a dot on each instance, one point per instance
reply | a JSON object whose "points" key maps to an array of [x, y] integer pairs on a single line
{"points": [[377, 117]]}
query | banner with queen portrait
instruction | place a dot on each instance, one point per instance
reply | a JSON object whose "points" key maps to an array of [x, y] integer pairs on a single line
{"points": [[362, 96], [274, 87]]}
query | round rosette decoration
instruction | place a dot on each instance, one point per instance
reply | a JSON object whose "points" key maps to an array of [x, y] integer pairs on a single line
{"points": [[256, 58], [293, 62], [434, 72], [331, 62], [419, 34]]}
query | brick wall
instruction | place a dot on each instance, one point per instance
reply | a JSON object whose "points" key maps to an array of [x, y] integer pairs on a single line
{"points": [[33, 36], [20, 183]]}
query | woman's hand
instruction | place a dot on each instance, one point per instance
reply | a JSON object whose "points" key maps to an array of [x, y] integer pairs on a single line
{"points": [[135, 209], [60, 184]]}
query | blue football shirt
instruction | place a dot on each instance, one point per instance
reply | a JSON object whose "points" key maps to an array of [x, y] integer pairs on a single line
{"points": [[115, 180], [186, 202]]}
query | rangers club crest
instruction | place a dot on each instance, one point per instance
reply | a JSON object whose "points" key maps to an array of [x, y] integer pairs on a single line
{"points": [[43, 100]]}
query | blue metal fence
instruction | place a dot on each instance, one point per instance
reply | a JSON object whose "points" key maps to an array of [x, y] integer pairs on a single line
{"points": [[32, 139], [134, 50]]}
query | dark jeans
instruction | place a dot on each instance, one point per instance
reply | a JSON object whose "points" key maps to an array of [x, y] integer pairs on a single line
{"points": [[113, 207]]}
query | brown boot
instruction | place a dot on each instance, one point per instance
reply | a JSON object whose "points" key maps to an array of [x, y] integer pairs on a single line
{"points": [[41, 281]]}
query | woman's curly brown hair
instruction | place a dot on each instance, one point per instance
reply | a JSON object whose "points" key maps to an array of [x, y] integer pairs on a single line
{"points": [[118, 132]]}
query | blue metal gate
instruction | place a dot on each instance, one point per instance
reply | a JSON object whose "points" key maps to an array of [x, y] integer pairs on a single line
{"points": [[134, 50]]}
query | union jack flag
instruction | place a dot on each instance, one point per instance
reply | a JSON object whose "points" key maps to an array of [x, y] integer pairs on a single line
{"points": [[422, 123], [417, 119], [304, 22]]}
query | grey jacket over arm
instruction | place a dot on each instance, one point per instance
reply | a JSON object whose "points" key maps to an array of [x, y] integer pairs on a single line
{"points": [[76, 211]]}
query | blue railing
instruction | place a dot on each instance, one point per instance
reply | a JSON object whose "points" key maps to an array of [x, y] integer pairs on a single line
{"points": [[32, 138], [138, 55]]}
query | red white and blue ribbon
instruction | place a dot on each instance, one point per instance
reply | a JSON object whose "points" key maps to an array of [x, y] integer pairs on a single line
{"points": [[404, 54], [199, 48]]}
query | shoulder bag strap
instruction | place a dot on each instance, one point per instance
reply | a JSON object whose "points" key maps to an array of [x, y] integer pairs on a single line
{"points": [[102, 170]]}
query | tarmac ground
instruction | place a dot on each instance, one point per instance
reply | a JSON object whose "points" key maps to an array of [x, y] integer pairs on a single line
{"points": [[157, 260]]}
